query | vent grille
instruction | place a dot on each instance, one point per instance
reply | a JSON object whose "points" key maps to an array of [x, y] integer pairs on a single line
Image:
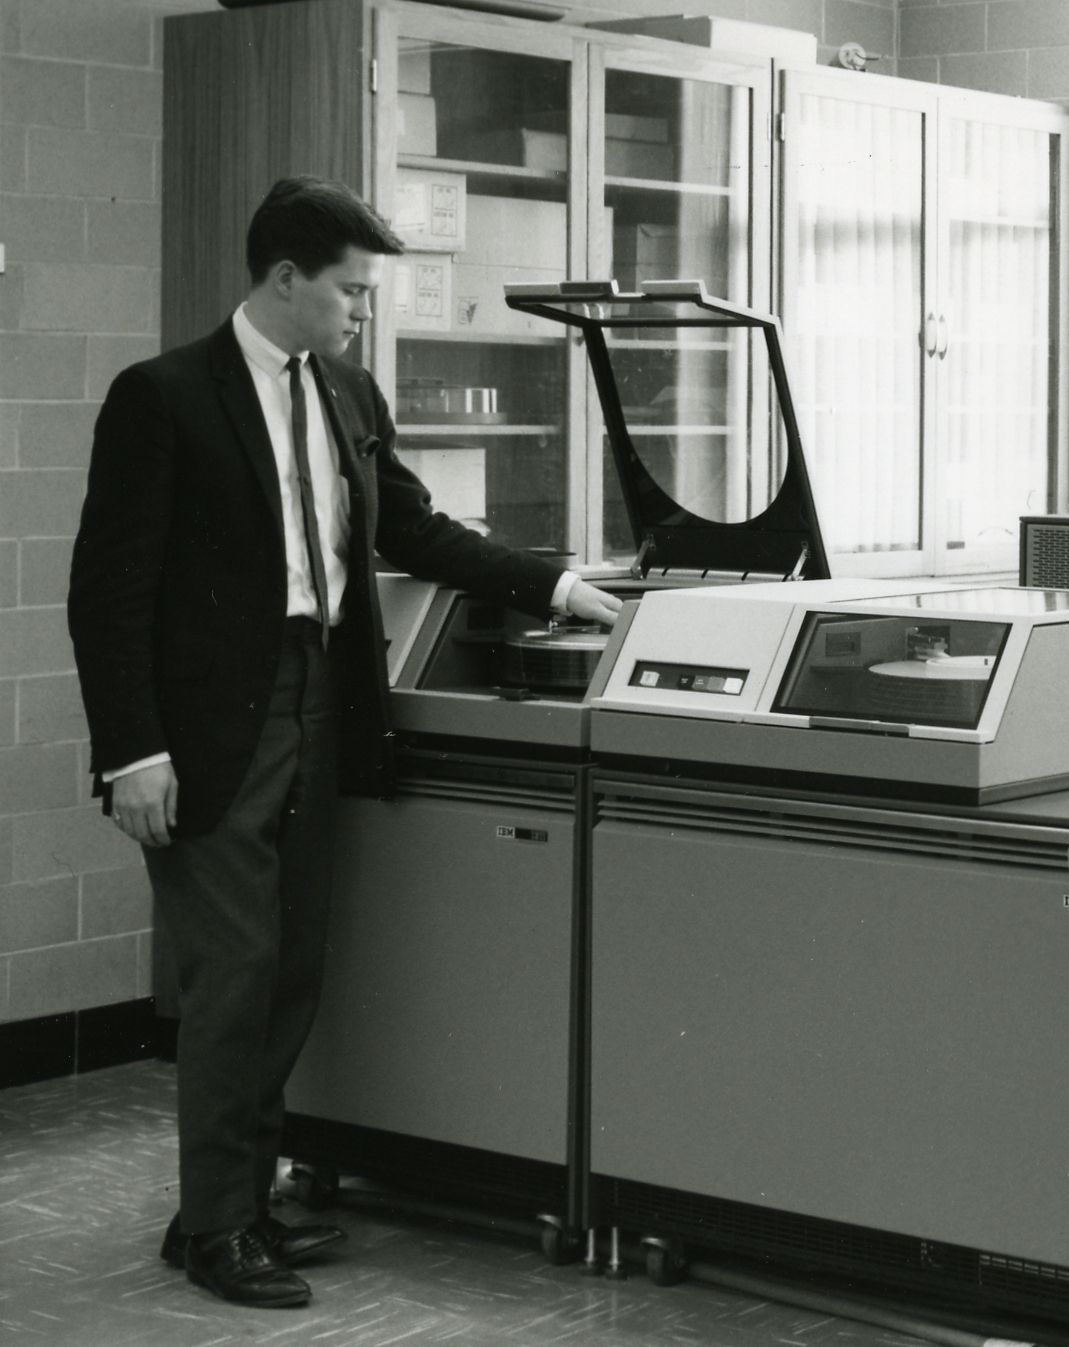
{"points": [[811, 1241], [1014, 1274], [974, 840], [718, 1221], [494, 794], [1046, 555]]}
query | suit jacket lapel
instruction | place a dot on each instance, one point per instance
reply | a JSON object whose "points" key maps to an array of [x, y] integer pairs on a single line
{"points": [[238, 394], [350, 434]]}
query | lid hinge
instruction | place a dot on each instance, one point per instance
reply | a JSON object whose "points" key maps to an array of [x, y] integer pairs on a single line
{"points": [[803, 557], [640, 557]]}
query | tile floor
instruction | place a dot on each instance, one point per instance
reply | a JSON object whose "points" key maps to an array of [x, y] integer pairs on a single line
{"points": [[87, 1185]]}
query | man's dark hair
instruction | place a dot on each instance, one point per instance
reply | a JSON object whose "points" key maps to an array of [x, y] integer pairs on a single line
{"points": [[310, 222]]}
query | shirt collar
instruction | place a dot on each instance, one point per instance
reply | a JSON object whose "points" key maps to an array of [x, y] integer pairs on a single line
{"points": [[255, 347]]}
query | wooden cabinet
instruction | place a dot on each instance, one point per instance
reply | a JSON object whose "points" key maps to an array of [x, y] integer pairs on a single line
{"points": [[923, 297], [502, 150], [250, 96]]}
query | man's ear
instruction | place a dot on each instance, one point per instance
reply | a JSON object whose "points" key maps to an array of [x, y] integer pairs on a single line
{"points": [[281, 277]]}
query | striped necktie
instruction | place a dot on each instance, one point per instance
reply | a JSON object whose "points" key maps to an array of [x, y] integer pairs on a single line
{"points": [[308, 506]]}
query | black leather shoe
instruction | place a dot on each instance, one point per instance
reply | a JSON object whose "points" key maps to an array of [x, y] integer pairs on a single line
{"points": [[237, 1265], [292, 1243], [173, 1250], [288, 1243]]}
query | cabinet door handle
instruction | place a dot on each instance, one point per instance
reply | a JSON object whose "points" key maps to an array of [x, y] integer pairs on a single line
{"points": [[944, 337], [929, 335]]}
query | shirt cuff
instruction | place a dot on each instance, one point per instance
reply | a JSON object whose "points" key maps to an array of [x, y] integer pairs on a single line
{"points": [[154, 761], [559, 601]]}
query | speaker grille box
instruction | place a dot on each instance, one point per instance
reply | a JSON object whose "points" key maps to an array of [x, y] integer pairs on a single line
{"points": [[1045, 551]]}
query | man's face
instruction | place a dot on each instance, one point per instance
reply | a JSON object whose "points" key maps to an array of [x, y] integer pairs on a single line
{"points": [[325, 311]]}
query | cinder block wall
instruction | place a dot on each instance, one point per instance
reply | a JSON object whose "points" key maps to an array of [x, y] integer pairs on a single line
{"points": [[80, 114], [1005, 46]]}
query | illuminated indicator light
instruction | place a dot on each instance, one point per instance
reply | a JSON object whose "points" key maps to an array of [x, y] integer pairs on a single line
{"points": [[650, 678], [733, 686]]}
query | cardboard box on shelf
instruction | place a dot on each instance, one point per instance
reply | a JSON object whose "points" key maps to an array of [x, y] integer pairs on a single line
{"points": [[423, 292], [640, 159], [626, 126], [552, 119], [785, 45], [456, 479], [417, 128], [618, 125], [430, 209], [507, 231], [414, 70], [522, 147]]}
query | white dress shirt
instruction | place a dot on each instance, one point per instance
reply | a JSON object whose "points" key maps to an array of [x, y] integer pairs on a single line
{"points": [[271, 379]]}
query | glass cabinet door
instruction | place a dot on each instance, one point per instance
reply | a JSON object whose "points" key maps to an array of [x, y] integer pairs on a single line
{"points": [[679, 190], [480, 195], [856, 234], [997, 328], [922, 299]]}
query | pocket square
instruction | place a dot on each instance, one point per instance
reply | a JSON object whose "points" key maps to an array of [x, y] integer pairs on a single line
{"points": [[367, 445]]}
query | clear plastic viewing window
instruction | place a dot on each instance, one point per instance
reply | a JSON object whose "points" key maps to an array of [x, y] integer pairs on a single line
{"points": [[704, 420], [900, 670]]}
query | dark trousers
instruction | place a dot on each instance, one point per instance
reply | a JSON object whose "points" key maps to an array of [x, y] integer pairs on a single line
{"points": [[246, 910]]}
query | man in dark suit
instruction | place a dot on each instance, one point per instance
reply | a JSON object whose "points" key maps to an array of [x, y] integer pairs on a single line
{"points": [[229, 643]]}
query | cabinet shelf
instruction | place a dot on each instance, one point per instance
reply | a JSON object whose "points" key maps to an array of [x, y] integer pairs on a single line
{"points": [[410, 429], [623, 345], [666, 185], [635, 431], [480, 169], [479, 338]]}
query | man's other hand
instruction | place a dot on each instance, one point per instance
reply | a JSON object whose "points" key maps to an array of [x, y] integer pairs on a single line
{"points": [[591, 604], [144, 804]]}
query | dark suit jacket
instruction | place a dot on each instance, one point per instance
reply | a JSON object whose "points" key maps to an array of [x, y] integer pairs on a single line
{"points": [[178, 584]]}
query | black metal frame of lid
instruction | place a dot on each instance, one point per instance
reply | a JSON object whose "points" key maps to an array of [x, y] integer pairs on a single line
{"points": [[785, 539]]}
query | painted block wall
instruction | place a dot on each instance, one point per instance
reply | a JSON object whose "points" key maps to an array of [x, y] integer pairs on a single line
{"points": [[1016, 47], [80, 121]]}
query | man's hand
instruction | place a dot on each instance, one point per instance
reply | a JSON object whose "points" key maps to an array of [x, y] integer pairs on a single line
{"points": [[593, 605], [145, 803]]}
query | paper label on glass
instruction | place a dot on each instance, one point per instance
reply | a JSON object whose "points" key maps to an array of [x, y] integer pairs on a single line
{"points": [[402, 287], [430, 289], [444, 208], [410, 206]]}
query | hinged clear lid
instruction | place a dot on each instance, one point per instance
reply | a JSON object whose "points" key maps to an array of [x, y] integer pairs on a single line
{"points": [[701, 424]]}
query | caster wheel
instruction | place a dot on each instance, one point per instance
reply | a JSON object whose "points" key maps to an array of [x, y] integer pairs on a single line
{"points": [[315, 1188], [665, 1266], [558, 1246]]}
